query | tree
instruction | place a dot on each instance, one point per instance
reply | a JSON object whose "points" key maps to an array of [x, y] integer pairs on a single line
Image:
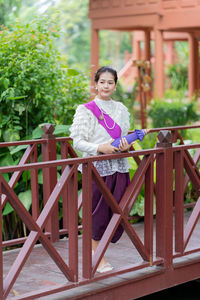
{"points": [[74, 41], [36, 85], [75, 26], [7, 8]]}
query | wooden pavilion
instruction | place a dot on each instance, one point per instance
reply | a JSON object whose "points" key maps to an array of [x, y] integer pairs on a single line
{"points": [[160, 17]]}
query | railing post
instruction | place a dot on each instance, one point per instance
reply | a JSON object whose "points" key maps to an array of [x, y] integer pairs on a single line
{"points": [[87, 220], [35, 187], [64, 155], [164, 199], [50, 178]]}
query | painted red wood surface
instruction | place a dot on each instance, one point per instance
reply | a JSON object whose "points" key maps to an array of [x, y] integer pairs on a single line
{"points": [[153, 255], [164, 14], [157, 18]]}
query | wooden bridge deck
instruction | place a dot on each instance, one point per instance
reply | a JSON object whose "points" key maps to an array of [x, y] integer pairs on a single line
{"points": [[41, 272]]}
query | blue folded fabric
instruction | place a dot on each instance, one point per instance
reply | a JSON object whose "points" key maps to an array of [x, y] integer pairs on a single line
{"points": [[136, 135]]}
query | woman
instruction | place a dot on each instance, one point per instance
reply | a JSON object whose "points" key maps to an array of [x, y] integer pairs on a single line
{"points": [[94, 127]]}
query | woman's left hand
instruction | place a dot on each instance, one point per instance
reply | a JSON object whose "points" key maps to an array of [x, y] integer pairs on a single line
{"points": [[124, 145]]}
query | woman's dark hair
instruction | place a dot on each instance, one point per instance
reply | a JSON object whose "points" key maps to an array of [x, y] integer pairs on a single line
{"points": [[103, 70]]}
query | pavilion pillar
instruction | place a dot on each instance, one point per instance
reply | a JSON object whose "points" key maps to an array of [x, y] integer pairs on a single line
{"points": [[136, 45], [159, 64], [94, 59], [136, 51], [169, 58], [196, 49], [147, 48], [170, 52], [147, 56], [193, 68]]}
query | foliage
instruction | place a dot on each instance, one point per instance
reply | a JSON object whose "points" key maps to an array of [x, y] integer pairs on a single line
{"points": [[76, 92], [182, 49], [74, 40], [8, 8], [74, 24], [36, 86], [35, 82], [172, 113], [178, 75], [149, 141], [127, 98], [138, 207], [171, 94], [113, 44]]}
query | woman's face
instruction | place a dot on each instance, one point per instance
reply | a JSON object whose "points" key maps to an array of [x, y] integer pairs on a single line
{"points": [[105, 85]]}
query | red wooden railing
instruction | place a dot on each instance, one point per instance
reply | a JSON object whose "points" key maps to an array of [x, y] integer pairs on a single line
{"points": [[43, 225]]}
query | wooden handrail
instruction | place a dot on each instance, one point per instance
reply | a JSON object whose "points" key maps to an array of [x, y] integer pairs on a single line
{"points": [[167, 159]]}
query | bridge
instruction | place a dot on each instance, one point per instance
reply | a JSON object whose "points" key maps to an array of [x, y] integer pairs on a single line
{"points": [[55, 261]]}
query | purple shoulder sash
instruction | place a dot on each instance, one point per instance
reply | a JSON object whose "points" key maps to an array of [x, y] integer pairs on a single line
{"points": [[114, 132]]}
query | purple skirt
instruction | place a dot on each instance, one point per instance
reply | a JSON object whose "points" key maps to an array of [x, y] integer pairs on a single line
{"points": [[101, 212]]}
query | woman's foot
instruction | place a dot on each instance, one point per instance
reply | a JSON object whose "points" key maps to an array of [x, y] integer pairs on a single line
{"points": [[104, 268]]}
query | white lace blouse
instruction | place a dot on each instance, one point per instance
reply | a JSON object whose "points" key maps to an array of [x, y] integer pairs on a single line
{"points": [[87, 134]]}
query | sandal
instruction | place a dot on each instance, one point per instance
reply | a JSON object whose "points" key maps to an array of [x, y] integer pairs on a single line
{"points": [[105, 268]]}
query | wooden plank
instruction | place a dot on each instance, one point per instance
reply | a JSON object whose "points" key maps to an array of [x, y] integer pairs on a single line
{"points": [[87, 219], [179, 201], [41, 276]]}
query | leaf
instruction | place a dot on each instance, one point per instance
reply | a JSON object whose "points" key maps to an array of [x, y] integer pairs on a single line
{"points": [[61, 129], [19, 108], [17, 149], [6, 82], [17, 97], [37, 133], [7, 209], [26, 175], [6, 176], [6, 160], [26, 199], [72, 72], [40, 176], [11, 135], [81, 213]]}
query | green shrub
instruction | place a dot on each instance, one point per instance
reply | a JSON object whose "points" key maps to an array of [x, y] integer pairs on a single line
{"points": [[36, 85], [127, 98], [172, 113], [178, 75]]}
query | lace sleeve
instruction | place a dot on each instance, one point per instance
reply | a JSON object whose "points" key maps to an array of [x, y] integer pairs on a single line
{"points": [[83, 123], [82, 129]]}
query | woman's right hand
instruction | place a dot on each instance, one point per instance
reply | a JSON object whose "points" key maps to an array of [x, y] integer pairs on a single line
{"points": [[147, 130], [107, 148]]}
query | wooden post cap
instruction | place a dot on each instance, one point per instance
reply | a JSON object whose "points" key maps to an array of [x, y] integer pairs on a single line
{"points": [[164, 138], [48, 129]]}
